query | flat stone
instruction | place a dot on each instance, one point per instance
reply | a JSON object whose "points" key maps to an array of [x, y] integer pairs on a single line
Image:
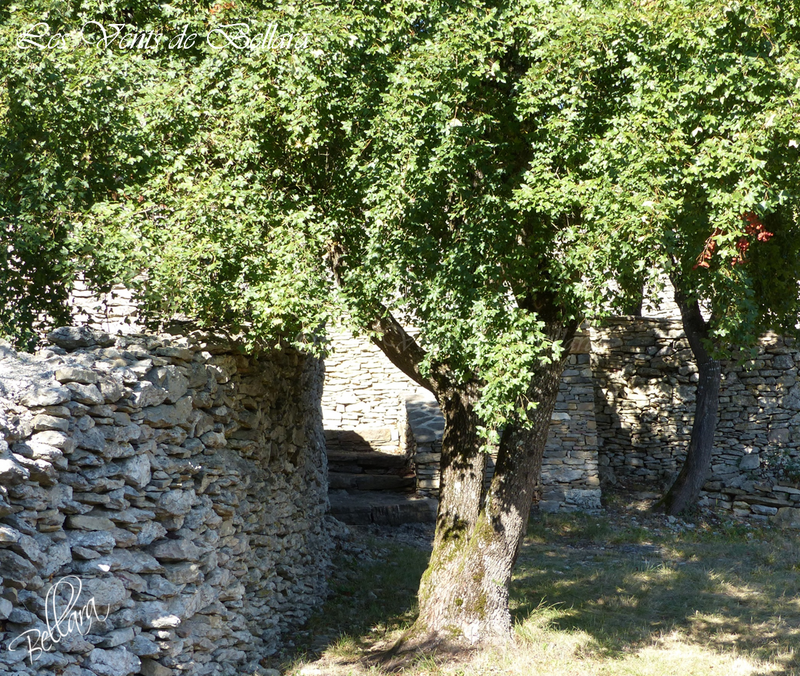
{"points": [[117, 637], [99, 541], [12, 472], [136, 471], [171, 380], [72, 337], [787, 517], [132, 561], [183, 573], [91, 439], [15, 568], [9, 534], [779, 436], [751, 461], [50, 396], [152, 668], [86, 522], [55, 438], [147, 394], [116, 662], [108, 593], [176, 550], [145, 647], [75, 374], [43, 422], [86, 394], [40, 470], [167, 415]]}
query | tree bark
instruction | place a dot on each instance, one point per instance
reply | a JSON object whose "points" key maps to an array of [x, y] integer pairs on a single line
{"points": [[694, 472], [465, 588]]}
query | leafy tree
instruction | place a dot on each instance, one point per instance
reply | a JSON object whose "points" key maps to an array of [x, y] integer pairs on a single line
{"points": [[477, 170], [704, 151]]}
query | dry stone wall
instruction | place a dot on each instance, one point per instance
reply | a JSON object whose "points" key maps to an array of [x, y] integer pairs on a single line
{"points": [[570, 478], [180, 485], [645, 381], [363, 402]]}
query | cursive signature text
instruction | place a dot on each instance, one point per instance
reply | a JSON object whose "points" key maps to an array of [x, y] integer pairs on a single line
{"points": [[60, 621]]}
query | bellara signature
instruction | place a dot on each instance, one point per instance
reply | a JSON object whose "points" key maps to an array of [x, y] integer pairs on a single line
{"points": [[60, 622], [122, 36]]}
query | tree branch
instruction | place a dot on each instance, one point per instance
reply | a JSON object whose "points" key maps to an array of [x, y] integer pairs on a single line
{"points": [[394, 341]]}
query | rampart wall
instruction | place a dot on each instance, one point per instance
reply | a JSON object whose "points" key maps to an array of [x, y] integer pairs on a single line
{"points": [[645, 380], [182, 483]]}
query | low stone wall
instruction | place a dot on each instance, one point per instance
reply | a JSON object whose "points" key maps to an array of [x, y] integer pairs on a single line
{"points": [[424, 435], [645, 381], [363, 399], [570, 477], [181, 485], [112, 312]]}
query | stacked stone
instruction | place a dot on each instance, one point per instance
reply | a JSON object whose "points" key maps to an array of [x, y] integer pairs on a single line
{"points": [[364, 396], [183, 484], [425, 428], [645, 391], [570, 478], [112, 312]]}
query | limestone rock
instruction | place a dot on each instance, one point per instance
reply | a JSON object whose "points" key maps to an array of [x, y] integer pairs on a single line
{"points": [[116, 662], [167, 415], [86, 394], [787, 517], [14, 568], [72, 337], [147, 394], [12, 472], [88, 522], [75, 374], [170, 379], [136, 471], [50, 396], [176, 550], [752, 461]]}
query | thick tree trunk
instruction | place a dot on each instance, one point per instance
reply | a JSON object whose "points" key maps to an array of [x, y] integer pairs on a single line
{"points": [[686, 489], [465, 589]]}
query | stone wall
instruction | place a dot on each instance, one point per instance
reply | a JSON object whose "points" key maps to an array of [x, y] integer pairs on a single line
{"points": [[112, 312], [363, 402], [183, 485], [645, 381], [570, 477]]}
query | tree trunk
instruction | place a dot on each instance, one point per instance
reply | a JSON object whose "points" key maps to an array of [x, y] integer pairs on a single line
{"points": [[465, 588], [686, 489]]}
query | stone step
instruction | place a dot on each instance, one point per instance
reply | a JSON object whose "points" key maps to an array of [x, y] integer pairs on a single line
{"points": [[369, 482], [366, 459], [389, 509]]}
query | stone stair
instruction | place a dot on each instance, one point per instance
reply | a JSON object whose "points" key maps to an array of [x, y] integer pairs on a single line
{"points": [[368, 486]]}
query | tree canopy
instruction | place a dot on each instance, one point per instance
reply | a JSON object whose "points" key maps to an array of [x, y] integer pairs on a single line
{"points": [[491, 173]]}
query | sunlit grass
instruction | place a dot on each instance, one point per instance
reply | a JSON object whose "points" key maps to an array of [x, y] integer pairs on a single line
{"points": [[609, 594]]}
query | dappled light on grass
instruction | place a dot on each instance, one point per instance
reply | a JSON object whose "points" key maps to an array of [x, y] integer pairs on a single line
{"points": [[707, 589], [614, 594]]}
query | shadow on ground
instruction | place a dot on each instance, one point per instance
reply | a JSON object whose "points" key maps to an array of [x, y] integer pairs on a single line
{"points": [[735, 591]]}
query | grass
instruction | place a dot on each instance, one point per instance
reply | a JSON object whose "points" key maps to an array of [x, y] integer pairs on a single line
{"points": [[619, 593]]}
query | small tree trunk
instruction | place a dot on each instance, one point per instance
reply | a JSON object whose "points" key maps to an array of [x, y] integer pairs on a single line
{"points": [[465, 588], [446, 593], [686, 489]]}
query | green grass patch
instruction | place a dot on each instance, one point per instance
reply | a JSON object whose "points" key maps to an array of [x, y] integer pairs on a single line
{"points": [[613, 594]]}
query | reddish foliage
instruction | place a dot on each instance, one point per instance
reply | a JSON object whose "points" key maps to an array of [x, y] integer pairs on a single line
{"points": [[755, 228]]}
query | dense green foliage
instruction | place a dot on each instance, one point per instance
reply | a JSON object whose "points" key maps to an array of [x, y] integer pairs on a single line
{"points": [[475, 168]]}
